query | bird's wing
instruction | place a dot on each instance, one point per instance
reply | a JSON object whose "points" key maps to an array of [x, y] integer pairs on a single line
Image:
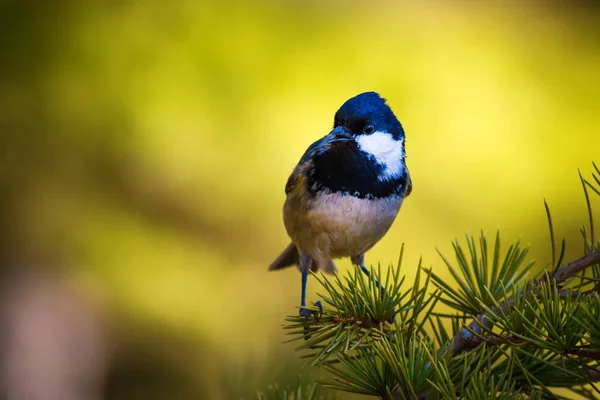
{"points": [[297, 179]]}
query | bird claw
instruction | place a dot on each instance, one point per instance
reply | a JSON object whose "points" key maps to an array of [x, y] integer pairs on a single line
{"points": [[307, 313], [320, 312], [392, 317], [304, 312]]}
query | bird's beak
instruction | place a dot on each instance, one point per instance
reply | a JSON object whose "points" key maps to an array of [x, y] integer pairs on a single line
{"points": [[338, 135]]}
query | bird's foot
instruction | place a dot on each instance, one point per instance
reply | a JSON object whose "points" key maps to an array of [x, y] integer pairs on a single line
{"points": [[392, 316], [366, 271], [393, 313], [307, 313]]}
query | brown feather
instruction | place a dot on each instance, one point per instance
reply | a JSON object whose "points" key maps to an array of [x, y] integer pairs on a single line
{"points": [[334, 225]]}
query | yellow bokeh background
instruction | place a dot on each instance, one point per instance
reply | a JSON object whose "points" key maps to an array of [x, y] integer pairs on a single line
{"points": [[147, 145]]}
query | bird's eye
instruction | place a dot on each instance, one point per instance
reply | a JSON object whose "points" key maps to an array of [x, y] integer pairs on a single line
{"points": [[368, 129]]}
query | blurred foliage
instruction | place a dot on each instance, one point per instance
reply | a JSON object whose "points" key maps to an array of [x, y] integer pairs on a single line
{"points": [[145, 146], [296, 392]]}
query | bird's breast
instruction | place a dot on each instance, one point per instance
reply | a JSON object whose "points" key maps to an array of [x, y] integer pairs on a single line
{"points": [[337, 224]]}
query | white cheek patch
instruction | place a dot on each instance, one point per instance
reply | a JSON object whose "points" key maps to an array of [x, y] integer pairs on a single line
{"points": [[386, 150]]}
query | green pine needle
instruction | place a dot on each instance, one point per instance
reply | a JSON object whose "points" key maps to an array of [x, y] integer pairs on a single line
{"points": [[301, 391], [476, 281], [356, 313]]}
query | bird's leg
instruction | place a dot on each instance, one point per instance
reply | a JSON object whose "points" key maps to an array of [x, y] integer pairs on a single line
{"points": [[360, 261], [305, 264]]}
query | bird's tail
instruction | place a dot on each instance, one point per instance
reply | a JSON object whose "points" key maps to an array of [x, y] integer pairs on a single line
{"points": [[290, 257]]}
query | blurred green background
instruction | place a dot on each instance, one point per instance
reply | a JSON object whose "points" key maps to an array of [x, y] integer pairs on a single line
{"points": [[146, 145]]}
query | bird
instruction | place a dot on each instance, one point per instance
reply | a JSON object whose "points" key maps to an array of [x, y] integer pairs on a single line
{"points": [[346, 191]]}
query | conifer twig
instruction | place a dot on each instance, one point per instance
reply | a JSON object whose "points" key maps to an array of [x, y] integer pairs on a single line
{"points": [[585, 352], [470, 336]]}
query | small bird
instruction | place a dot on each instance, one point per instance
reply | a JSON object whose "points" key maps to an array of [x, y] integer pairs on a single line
{"points": [[346, 191]]}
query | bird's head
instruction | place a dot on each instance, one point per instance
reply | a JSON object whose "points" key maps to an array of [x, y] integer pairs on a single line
{"points": [[367, 123], [364, 153]]}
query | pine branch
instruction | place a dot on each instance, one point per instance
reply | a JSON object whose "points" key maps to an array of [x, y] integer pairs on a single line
{"points": [[470, 336], [586, 352], [495, 340], [572, 269]]}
